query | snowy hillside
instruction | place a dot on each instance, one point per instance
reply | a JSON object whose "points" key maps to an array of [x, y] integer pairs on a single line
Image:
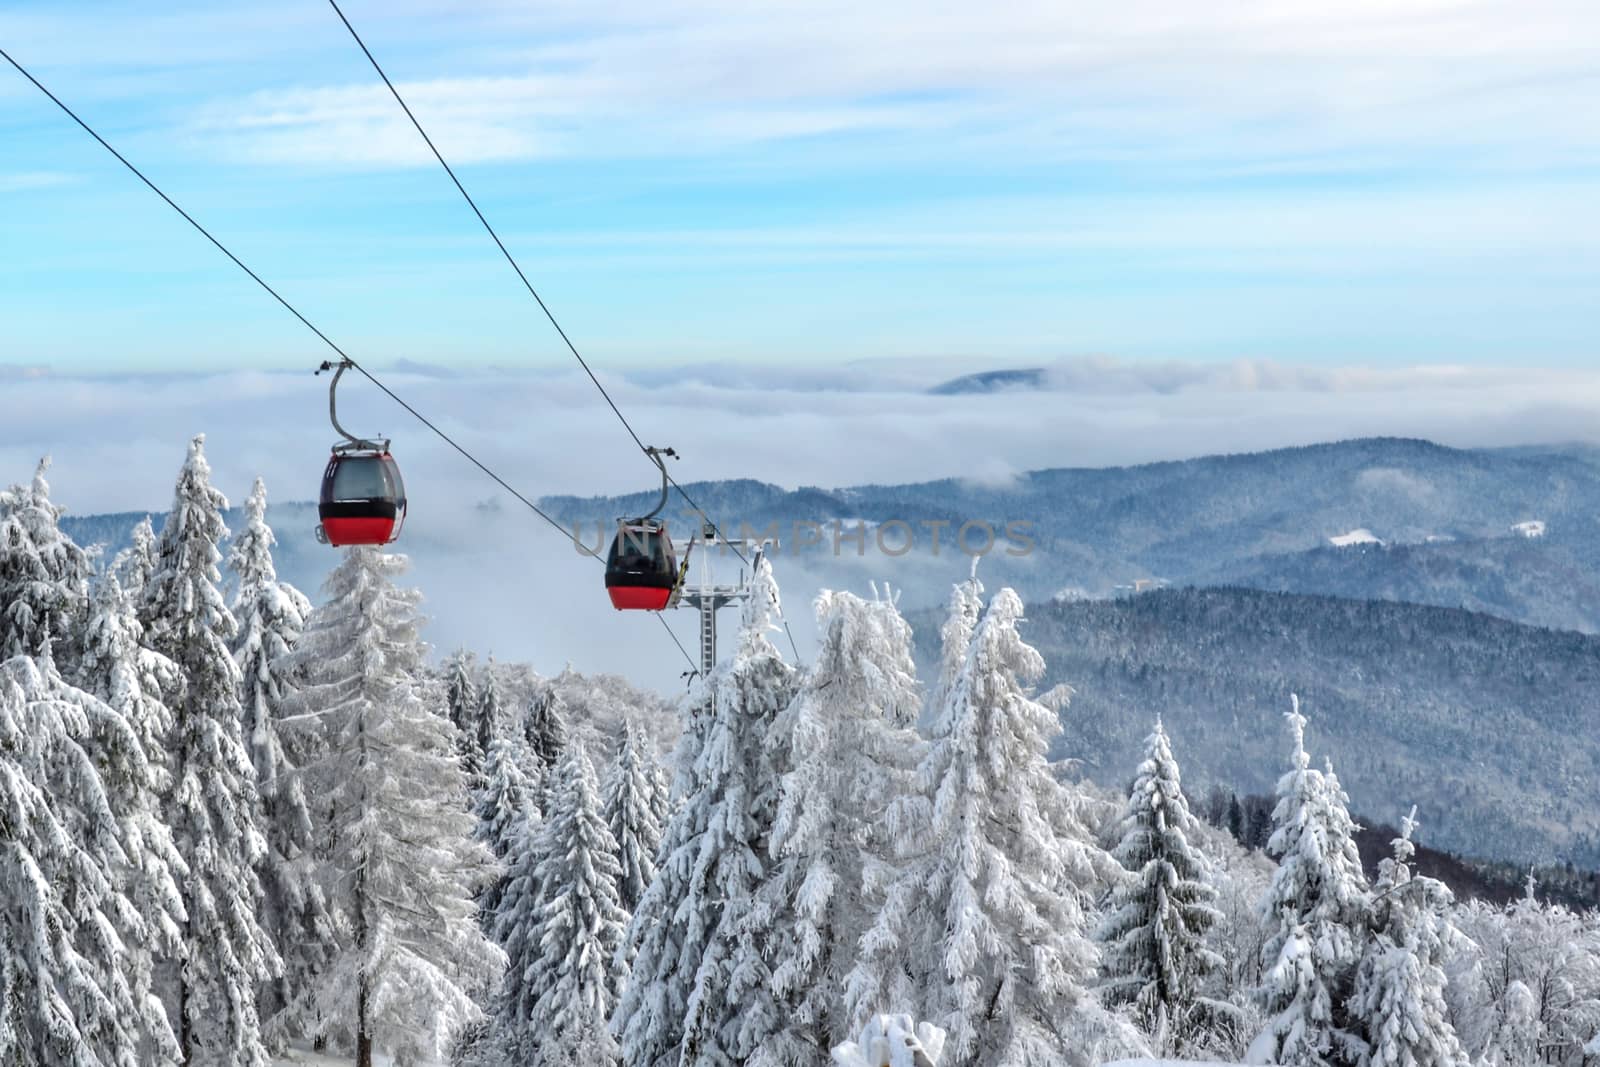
{"points": [[1489, 726], [221, 791], [1359, 536]]}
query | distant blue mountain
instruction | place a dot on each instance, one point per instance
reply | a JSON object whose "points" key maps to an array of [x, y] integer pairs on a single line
{"points": [[1446, 518], [299, 558], [1444, 525], [992, 381]]}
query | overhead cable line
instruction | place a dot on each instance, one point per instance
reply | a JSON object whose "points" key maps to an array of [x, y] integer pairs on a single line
{"points": [[446, 438], [528, 285]]}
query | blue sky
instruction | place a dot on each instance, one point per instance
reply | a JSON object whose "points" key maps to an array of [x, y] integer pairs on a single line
{"points": [[1379, 182]]}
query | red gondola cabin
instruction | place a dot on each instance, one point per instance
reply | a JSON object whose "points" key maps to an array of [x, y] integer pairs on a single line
{"points": [[363, 499], [642, 569]]}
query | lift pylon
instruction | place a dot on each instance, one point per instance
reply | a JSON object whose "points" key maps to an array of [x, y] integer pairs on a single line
{"points": [[705, 594]]}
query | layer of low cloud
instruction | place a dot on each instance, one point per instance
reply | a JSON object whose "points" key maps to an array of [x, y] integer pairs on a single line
{"points": [[498, 579], [116, 438]]}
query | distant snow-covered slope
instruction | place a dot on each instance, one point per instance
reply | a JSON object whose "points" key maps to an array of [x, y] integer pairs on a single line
{"points": [[1489, 727], [1359, 536]]}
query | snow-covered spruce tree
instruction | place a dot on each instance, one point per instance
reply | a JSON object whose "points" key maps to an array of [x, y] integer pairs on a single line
{"points": [[491, 711], [212, 807], [544, 725], [129, 750], [1399, 994], [983, 931], [884, 974], [955, 641], [1317, 912], [44, 577], [1516, 1038], [70, 998], [893, 1040], [515, 928], [630, 814], [1527, 978], [461, 701], [1153, 955], [404, 864], [851, 733], [581, 925], [676, 1007], [134, 564], [271, 615], [503, 804], [661, 797]]}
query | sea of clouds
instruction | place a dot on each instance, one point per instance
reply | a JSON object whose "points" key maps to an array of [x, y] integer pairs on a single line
{"points": [[497, 579]]}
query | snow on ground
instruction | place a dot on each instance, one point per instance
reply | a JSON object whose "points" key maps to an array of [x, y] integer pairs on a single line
{"points": [[301, 1058], [1167, 1063], [1531, 528], [1362, 536]]}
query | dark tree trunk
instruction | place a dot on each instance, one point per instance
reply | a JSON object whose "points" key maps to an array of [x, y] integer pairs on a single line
{"points": [[363, 1036], [184, 1044]]}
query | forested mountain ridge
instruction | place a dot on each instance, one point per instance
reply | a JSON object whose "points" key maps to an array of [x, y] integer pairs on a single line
{"points": [[1490, 727], [1446, 518], [1448, 522]]}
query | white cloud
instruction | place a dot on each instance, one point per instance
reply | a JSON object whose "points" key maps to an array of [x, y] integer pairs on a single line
{"points": [[116, 438], [1391, 481], [1303, 85], [27, 181]]}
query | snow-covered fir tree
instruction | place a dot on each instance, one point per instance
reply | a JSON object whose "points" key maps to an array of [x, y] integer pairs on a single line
{"points": [[1154, 954], [676, 1007], [544, 725], [486, 726], [1399, 992], [503, 805], [130, 752], [581, 925], [661, 800], [461, 700], [405, 865], [1527, 976], [43, 576], [892, 1041], [71, 999], [271, 615], [854, 748], [631, 816], [515, 928], [1316, 910], [134, 564], [1516, 1037], [955, 640], [983, 932], [212, 807]]}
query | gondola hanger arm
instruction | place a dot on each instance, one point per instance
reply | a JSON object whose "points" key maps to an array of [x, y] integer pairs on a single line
{"points": [[351, 441]]}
